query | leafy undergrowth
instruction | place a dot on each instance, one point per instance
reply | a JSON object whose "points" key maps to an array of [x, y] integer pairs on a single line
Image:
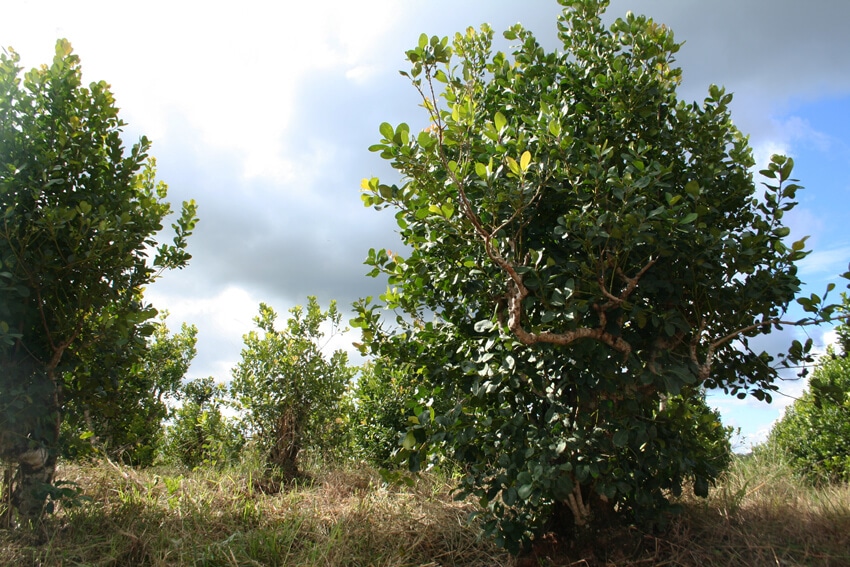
{"points": [[759, 515]]}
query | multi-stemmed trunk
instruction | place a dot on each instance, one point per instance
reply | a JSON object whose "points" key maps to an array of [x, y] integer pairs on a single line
{"points": [[30, 436], [283, 458]]}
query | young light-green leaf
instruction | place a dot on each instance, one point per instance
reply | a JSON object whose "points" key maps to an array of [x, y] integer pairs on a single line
{"points": [[500, 121], [525, 160]]}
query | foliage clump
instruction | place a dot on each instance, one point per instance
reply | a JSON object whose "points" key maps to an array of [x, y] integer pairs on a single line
{"points": [[124, 414], [292, 394], [382, 397], [814, 433], [201, 434], [587, 255]]}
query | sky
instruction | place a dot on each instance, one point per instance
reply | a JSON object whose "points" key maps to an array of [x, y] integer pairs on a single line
{"points": [[263, 112]]}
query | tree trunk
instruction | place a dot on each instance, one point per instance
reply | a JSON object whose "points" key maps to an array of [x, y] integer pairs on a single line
{"points": [[36, 470], [30, 435], [283, 458]]}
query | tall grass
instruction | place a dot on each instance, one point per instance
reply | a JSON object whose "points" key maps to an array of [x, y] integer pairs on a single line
{"points": [[207, 518], [760, 514]]}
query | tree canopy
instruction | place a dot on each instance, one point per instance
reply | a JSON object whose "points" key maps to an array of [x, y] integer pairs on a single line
{"points": [[585, 254], [78, 245]]}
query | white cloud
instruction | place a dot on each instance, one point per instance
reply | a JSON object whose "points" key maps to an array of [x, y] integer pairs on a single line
{"points": [[361, 73], [832, 262], [232, 70], [222, 319]]}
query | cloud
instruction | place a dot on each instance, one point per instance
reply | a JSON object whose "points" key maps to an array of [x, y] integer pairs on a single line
{"points": [[829, 262]]}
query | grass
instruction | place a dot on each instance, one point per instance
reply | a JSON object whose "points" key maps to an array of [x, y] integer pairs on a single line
{"points": [[762, 514], [207, 518], [759, 515]]}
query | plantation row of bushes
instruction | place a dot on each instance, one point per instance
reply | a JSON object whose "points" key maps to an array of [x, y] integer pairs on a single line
{"points": [[814, 433], [202, 423], [366, 415]]}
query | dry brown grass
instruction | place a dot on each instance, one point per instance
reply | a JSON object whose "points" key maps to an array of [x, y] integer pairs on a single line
{"points": [[759, 515], [211, 519]]}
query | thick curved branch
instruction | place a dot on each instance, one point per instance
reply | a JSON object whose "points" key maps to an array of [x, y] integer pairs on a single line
{"points": [[515, 313]]}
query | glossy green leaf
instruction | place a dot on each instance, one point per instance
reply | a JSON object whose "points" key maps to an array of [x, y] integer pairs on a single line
{"points": [[500, 121]]}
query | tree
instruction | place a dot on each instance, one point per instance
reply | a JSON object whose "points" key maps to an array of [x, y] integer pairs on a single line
{"points": [[290, 391], [201, 433], [587, 255], [80, 219], [815, 429], [385, 398], [121, 402]]}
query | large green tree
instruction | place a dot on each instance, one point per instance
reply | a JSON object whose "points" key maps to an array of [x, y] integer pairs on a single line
{"points": [[291, 391], [78, 245], [586, 254]]}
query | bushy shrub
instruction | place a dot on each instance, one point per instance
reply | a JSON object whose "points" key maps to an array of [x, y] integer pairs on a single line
{"points": [[201, 434], [814, 433], [292, 394], [382, 397], [586, 254]]}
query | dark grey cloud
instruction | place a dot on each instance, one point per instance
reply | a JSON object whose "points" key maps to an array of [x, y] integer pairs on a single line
{"points": [[281, 242]]}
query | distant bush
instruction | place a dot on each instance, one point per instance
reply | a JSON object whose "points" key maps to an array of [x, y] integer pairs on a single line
{"points": [[814, 433], [381, 398], [291, 392], [201, 434]]}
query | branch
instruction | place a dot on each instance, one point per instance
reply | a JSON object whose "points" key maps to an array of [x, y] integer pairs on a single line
{"points": [[631, 285], [705, 366], [518, 294], [575, 502]]}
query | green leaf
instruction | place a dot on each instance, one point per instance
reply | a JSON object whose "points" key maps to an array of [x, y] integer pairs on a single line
{"points": [[691, 217], [525, 160], [800, 244], [692, 188], [409, 441], [425, 140], [525, 491], [621, 438], [387, 130], [500, 121]]}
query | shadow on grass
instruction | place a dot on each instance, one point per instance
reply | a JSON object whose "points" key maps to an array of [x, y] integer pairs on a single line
{"points": [[759, 515]]}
